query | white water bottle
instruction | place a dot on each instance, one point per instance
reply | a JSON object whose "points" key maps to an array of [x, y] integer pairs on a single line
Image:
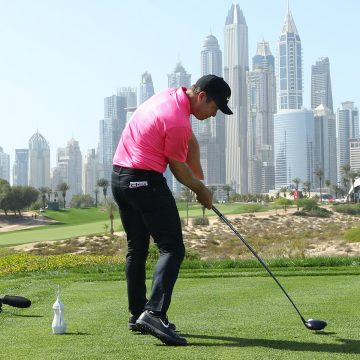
{"points": [[58, 324]]}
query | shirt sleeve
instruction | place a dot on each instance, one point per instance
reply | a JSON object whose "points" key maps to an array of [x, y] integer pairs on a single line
{"points": [[177, 143]]}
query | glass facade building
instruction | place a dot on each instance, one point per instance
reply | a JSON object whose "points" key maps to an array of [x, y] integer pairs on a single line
{"points": [[321, 93], [347, 127], [236, 64], [20, 168], [293, 147], [211, 132], [261, 108], [146, 87], [290, 77]]}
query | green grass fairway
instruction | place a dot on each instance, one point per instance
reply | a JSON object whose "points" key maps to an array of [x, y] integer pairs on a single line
{"points": [[222, 318]]}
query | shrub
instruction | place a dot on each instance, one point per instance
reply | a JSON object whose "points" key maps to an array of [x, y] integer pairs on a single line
{"points": [[307, 204], [315, 212], [349, 209], [200, 221]]}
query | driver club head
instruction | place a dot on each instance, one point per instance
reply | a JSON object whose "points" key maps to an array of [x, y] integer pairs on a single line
{"points": [[312, 324]]}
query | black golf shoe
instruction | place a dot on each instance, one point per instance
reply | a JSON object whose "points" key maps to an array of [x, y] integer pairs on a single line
{"points": [[159, 327], [134, 327]]}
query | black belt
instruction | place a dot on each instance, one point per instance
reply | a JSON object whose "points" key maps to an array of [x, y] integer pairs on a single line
{"points": [[132, 171]]}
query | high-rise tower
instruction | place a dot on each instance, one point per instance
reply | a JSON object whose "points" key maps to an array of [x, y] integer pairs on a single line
{"points": [[293, 125], [261, 109], [347, 127], [236, 64], [179, 77], [321, 93], [20, 168], [211, 134], [146, 88], [39, 161], [290, 77], [4, 165]]}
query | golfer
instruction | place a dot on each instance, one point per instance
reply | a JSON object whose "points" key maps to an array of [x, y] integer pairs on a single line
{"points": [[159, 134]]}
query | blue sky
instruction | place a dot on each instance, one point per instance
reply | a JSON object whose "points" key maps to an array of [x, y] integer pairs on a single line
{"points": [[59, 59]]}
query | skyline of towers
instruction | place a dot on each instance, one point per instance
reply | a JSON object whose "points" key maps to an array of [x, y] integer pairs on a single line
{"points": [[259, 104], [236, 64], [261, 108]]}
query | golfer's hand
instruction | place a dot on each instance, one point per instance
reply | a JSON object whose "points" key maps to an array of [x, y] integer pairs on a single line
{"points": [[205, 197]]}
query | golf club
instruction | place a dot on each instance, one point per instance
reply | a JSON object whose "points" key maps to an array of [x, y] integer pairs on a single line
{"points": [[15, 301], [311, 324]]}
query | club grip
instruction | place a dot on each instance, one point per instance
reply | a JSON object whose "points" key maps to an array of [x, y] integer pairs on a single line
{"points": [[16, 301]]}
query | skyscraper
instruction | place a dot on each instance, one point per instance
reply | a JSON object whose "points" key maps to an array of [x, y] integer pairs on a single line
{"points": [[39, 161], [146, 88], [325, 145], [290, 78], [293, 125], [176, 79], [179, 77], [293, 147], [211, 134], [261, 108], [354, 154], [90, 174], [236, 64], [112, 126], [321, 92], [347, 127], [69, 160], [4, 165], [20, 168]]}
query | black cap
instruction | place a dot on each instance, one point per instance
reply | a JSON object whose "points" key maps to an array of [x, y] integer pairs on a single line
{"points": [[217, 89]]}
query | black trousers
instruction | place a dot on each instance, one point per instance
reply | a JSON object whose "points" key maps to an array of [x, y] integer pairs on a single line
{"points": [[147, 207]]}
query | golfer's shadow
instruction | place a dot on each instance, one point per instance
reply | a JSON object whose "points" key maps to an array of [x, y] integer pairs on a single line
{"points": [[345, 346]]}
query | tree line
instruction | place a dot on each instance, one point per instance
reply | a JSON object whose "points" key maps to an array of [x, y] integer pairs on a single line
{"points": [[18, 198]]}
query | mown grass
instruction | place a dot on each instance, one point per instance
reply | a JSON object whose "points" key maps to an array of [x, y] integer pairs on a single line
{"points": [[221, 317]]}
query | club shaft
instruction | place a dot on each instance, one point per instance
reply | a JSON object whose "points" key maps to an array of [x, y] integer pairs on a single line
{"points": [[227, 222]]}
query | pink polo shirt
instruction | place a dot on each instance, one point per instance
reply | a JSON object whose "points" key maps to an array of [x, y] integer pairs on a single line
{"points": [[158, 130]]}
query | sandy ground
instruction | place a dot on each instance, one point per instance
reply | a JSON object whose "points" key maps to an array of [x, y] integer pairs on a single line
{"points": [[323, 248]]}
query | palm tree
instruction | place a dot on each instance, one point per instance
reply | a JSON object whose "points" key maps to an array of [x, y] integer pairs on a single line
{"points": [[227, 189], [307, 187], [336, 189], [111, 207], [352, 176], [43, 191], [346, 170], [104, 184], [96, 191], [319, 173], [284, 189], [63, 187], [186, 192], [328, 184]]}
